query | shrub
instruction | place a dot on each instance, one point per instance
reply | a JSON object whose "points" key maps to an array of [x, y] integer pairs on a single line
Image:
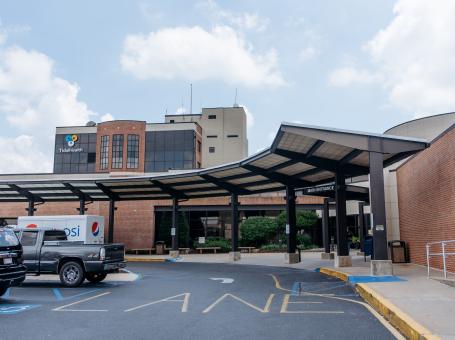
{"points": [[274, 247], [303, 239], [305, 219], [256, 231], [224, 244]]}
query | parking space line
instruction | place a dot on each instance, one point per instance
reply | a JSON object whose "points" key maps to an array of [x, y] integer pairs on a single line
{"points": [[185, 302], [61, 308], [59, 296], [266, 308]]}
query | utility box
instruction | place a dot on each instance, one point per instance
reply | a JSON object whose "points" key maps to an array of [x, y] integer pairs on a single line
{"points": [[398, 251], [160, 248]]}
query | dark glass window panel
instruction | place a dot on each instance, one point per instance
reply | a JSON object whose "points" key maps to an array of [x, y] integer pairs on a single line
{"points": [[92, 138], [169, 156], [67, 158], [178, 155], [58, 167], [178, 164], [91, 167], [211, 149], [91, 157], [212, 116], [82, 138], [188, 156], [169, 165], [159, 156], [132, 152], [188, 165], [66, 168]]}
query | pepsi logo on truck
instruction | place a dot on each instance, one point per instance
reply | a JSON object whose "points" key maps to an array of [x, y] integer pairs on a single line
{"points": [[88, 229]]}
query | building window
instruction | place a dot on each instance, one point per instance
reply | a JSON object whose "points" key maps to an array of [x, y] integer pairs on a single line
{"points": [[211, 149], [212, 136], [199, 146], [132, 160], [172, 121], [104, 152], [232, 136], [212, 116], [117, 151]]}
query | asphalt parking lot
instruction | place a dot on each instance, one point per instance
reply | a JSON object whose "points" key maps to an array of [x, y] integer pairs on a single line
{"points": [[192, 301]]}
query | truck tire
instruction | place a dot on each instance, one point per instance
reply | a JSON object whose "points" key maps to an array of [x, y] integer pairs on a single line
{"points": [[71, 274], [95, 277], [3, 290]]}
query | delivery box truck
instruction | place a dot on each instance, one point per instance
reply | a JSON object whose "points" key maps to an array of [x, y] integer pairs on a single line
{"points": [[86, 228]]}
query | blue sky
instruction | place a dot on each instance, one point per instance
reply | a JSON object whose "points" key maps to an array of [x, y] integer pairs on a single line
{"points": [[362, 65]]}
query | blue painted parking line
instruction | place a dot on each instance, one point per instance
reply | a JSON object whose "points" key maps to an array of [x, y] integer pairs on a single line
{"points": [[6, 309], [368, 279], [59, 296], [7, 293], [296, 289]]}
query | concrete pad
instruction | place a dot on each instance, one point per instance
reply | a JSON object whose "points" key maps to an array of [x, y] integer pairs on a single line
{"points": [[327, 256], [343, 261], [381, 267], [174, 253], [234, 256], [290, 258]]}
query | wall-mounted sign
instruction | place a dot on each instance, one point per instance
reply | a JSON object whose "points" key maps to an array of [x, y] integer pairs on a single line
{"points": [[323, 188], [288, 229], [71, 141]]}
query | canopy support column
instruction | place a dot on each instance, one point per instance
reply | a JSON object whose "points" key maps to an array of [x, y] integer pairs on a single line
{"points": [[175, 228], [291, 229], [234, 255], [380, 265], [31, 207], [361, 221], [112, 208], [81, 206], [326, 255], [343, 259]]}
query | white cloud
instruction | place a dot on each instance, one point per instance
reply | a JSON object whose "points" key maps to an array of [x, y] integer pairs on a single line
{"points": [[350, 75], [106, 117], [249, 117], [192, 53], [33, 101], [414, 56], [242, 21], [180, 111], [307, 53]]}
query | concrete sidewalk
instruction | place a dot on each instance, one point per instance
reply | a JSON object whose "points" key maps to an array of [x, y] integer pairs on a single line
{"points": [[426, 305]]}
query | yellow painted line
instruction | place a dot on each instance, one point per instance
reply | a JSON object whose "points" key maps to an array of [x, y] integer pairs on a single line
{"points": [[332, 272], [396, 317], [402, 321], [141, 259], [61, 308]]}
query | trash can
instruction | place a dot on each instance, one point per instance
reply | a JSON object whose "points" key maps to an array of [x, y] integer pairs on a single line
{"points": [[398, 251], [160, 247]]}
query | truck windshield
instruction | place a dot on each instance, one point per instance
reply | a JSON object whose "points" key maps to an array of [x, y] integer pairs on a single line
{"points": [[8, 238]]}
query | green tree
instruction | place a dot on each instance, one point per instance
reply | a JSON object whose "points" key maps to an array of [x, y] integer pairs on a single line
{"points": [[305, 220], [257, 230]]}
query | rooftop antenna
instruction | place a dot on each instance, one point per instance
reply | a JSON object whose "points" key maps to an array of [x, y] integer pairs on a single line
{"points": [[191, 98], [235, 99]]}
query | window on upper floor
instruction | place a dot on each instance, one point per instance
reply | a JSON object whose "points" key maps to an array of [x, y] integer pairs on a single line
{"points": [[232, 136], [132, 152], [104, 152], [212, 117], [211, 149], [117, 151]]}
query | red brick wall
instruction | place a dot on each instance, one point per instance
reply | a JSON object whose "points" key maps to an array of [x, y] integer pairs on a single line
{"points": [[134, 220], [121, 127], [426, 199]]}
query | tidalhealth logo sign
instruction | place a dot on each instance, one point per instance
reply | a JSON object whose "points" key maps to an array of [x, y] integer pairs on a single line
{"points": [[71, 141]]}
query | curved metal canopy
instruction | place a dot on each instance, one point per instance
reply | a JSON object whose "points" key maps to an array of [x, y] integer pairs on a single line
{"points": [[301, 156]]}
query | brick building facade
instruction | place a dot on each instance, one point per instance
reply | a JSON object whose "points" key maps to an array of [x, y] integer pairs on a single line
{"points": [[426, 199]]}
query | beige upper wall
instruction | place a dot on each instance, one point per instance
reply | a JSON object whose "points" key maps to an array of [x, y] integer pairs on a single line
{"points": [[228, 121]]}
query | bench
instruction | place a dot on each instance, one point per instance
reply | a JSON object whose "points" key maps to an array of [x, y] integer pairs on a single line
{"points": [[208, 248], [246, 249], [184, 250], [141, 250]]}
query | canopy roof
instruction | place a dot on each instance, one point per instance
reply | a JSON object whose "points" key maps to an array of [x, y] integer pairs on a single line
{"points": [[301, 156]]}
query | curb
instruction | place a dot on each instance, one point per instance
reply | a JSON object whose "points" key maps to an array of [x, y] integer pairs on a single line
{"points": [[395, 316], [140, 259]]}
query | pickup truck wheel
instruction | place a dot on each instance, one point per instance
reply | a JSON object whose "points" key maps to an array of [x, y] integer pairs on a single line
{"points": [[3, 290], [95, 277], [72, 274]]}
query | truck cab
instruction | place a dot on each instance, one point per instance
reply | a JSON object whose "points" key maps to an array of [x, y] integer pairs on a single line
{"points": [[12, 271], [48, 251]]}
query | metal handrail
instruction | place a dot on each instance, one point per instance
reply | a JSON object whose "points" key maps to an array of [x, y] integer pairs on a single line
{"points": [[444, 254]]}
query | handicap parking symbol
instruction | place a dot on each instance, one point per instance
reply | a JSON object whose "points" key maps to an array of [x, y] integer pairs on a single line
{"points": [[15, 309]]}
